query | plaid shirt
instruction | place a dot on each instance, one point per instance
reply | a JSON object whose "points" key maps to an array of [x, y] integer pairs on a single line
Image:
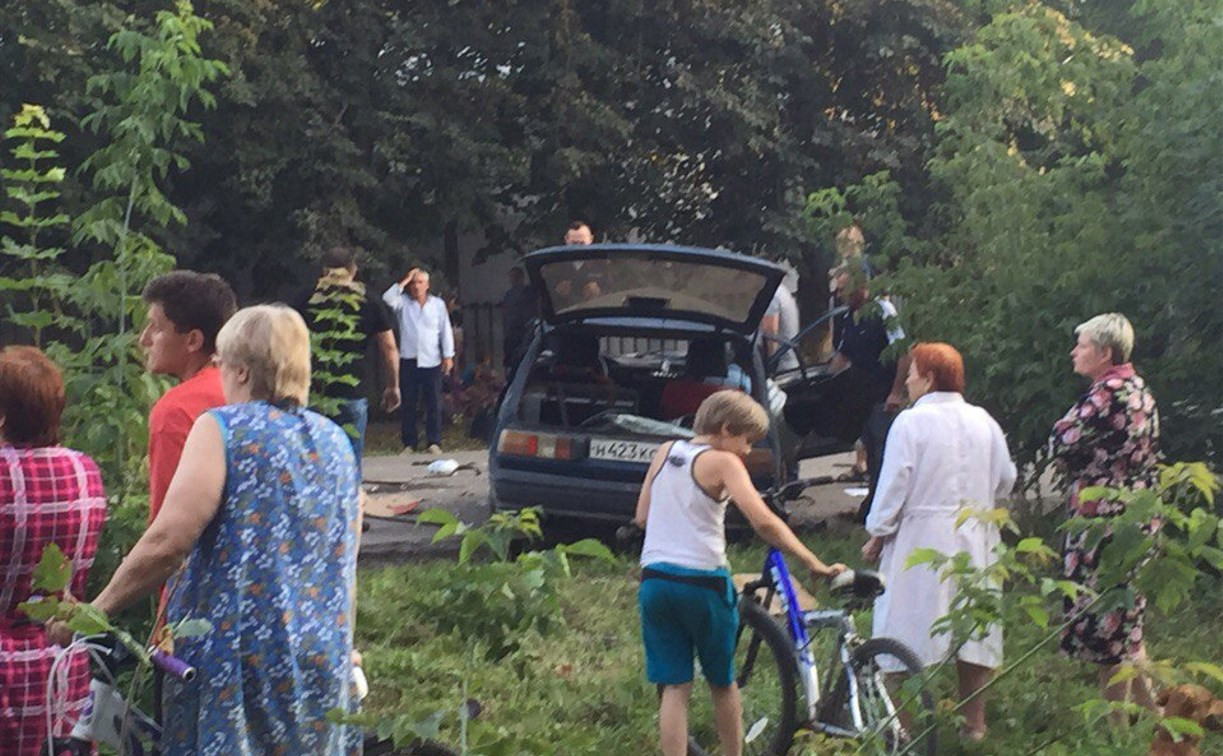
{"points": [[47, 495]]}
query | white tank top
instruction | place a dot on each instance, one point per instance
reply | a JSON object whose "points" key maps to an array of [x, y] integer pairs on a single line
{"points": [[684, 525]]}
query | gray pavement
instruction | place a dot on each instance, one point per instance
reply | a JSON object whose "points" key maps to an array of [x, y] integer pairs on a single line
{"points": [[398, 479]]}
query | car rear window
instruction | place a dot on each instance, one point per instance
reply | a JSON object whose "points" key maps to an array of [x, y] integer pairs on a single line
{"points": [[651, 287]]}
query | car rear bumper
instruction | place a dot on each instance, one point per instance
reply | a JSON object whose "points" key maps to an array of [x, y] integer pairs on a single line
{"points": [[582, 494], [557, 496]]}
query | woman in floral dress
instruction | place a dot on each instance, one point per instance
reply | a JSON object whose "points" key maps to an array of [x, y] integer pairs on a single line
{"points": [[262, 515], [1109, 438]]}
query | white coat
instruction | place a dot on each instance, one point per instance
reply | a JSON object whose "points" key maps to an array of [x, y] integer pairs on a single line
{"points": [[942, 455]]}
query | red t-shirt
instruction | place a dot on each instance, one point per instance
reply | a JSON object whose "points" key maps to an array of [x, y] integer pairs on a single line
{"points": [[170, 422]]}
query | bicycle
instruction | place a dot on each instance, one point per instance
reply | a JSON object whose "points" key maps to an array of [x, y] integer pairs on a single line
{"points": [[855, 700], [110, 719]]}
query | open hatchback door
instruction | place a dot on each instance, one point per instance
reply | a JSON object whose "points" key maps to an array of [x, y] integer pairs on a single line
{"points": [[629, 283]]}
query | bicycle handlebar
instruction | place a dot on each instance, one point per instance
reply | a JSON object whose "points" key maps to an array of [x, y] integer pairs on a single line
{"points": [[172, 665], [775, 498], [117, 657]]}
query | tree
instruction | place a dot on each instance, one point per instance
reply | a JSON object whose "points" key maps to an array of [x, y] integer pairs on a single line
{"points": [[1077, 181], [362, 124]]}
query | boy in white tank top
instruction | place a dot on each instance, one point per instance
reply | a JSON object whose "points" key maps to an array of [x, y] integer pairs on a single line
{"points": [[687, 600]]}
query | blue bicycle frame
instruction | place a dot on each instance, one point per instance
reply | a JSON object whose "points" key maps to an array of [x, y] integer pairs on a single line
{"points": [[798, 622]]}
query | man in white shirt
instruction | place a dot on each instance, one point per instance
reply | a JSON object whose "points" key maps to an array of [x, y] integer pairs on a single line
{"points": [[426, 352], [781, 321]]}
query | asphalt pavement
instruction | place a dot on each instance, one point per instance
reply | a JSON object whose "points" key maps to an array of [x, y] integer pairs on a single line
{"points": [[399, 486]]}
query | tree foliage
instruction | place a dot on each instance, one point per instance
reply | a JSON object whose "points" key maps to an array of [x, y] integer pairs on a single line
{"points": [[1075, 176], [366, 124]]}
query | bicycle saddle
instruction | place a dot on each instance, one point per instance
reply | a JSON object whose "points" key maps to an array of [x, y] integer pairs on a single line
{"points": [[862, 584]]}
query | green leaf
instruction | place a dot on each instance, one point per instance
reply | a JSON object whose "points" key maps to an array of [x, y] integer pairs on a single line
{"points": [[1180, 728], [54, 571], [1124, 673], [589, 547], [436, 516], [925, 556], [87, 619], [1205, 668], [40, 608], [446, 531], [1029, 545], [192, 628], [472, 540], [1038, 615]]}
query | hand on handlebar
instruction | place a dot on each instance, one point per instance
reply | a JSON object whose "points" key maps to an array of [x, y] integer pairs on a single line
{"points": [[828, 571], [629, 535], [58, 633]]}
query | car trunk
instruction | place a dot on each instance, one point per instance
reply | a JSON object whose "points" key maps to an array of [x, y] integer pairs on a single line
{"points": [[596, 403]]}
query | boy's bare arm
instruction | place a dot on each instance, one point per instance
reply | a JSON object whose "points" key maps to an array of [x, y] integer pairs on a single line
{"points": [[643, 498], [733, 478]]}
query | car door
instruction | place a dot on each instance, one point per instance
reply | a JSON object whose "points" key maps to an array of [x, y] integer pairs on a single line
{"points": [[824, 411]]}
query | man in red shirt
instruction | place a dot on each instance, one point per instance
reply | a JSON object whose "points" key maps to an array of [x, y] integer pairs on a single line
{"points": [[186, 311]]}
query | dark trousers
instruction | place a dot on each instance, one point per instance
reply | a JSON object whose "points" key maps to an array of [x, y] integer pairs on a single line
{"points": [[413, 383], [353, 416], [874, 438]]}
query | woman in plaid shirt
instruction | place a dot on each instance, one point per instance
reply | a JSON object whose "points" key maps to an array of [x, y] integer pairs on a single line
{"points": [[48, 494]]}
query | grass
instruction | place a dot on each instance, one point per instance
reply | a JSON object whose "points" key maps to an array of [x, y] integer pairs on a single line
{"points": [[582, 689]]}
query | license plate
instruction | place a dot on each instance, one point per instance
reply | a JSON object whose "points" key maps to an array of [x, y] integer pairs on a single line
{"points": [[622, 451]]}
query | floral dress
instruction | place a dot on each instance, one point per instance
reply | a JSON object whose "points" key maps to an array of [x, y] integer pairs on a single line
{"points": [[274, 573], [1109, 438]]}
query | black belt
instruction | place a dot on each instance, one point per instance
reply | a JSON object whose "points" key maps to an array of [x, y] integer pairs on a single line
{"points": [[716, 583]]}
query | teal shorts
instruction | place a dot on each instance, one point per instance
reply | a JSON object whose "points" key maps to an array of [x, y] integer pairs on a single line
{"points": [[680, 619]]}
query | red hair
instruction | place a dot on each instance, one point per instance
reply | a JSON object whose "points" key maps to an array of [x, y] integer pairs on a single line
{"points": [[942, 363], [31, 397]]}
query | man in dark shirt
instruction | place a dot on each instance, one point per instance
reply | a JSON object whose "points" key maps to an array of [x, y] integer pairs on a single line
{"points": [[519, 307], [343, 317], [860, 336]]}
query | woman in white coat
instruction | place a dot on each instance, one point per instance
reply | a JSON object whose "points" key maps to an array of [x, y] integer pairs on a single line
{"points": [[943, 455]]}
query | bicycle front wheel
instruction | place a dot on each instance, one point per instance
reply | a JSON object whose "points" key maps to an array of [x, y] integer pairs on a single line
{"points": [[890, 715], [766, 675]]}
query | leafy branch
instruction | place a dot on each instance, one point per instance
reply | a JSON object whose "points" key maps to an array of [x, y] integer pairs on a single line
{"points": [[1165, 561], [52, 602]]}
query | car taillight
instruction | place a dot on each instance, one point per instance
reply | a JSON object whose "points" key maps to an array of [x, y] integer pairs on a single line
{"points": [[520, 444], [540, 445], [759, 462]]}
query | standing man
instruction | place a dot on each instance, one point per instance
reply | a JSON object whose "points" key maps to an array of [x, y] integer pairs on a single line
{"points": [[426, 352], [345, 317], [859, 339], [185, 312], [579, 233], [519, 307], [781, 321]]}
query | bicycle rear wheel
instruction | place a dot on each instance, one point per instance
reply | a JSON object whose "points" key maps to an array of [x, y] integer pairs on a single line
{"points": [[881, 731], [766, 676]]}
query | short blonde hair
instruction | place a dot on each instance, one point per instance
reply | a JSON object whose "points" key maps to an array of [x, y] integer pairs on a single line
{"points": [[850, 241], [733, 410], [1112, 330], [273, 344]]}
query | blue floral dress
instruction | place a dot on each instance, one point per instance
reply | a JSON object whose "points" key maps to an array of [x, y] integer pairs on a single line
{"points": [[274, 573]]}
